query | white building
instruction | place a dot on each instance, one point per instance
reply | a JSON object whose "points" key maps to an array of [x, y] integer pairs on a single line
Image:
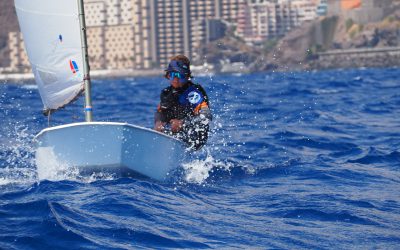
{"points": [[259, 20], [142, 34]]}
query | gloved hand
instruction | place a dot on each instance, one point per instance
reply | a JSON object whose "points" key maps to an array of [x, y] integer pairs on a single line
{"points": [[176, 125]]}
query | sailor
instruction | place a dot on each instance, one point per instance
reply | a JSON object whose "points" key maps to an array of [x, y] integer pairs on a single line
{"points": [[184, 109]]}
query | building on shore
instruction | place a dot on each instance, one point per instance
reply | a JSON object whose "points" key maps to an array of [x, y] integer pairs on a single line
{"points": [[259, 20], [141, 34], [144, 34], [360, 11], [322, 7], [110, 37], [181, 27], [18, 59], [230, 9]]}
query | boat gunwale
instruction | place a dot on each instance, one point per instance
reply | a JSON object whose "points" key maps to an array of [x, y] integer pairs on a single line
{"points": [[124, 124]]}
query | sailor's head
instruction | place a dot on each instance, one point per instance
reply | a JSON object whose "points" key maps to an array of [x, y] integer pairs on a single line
{"points": [[178, 71]]}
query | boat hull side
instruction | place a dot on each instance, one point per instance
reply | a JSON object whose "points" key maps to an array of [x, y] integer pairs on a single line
{"points": [[111, 146]]}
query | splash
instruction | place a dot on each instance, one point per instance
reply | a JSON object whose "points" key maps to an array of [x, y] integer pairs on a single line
{"points": [[21, 164], [50, 167], [17, 161], [198, 171], [4, 181]]}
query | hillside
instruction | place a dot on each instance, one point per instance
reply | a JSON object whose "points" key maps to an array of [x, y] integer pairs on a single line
{"points": [[297, 48]]}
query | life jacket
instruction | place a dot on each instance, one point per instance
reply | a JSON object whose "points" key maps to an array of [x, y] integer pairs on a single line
{"points": [[182, 103]]}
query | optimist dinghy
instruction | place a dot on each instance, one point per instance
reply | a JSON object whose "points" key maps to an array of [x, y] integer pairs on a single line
{"points": [[55, 39]]}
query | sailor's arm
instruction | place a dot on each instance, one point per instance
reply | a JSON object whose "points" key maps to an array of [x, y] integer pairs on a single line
{"points": [[159, 118], [202, 110], [202, 113]]}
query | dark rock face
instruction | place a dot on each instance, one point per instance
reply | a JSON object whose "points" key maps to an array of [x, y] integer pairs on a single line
{"points": [[299, 49], [290, 51], [8, 23]]}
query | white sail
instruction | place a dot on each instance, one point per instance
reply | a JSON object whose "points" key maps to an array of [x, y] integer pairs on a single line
{"points": [[51, 33]]}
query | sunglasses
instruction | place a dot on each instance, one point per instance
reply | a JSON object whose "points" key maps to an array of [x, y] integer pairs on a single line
{"points": [[172, 75]]}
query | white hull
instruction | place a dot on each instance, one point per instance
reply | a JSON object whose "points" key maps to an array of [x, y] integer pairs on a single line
{"points": [[98, 146]]}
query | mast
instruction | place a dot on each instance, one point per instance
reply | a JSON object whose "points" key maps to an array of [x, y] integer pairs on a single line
{"points": [[86, 68]]}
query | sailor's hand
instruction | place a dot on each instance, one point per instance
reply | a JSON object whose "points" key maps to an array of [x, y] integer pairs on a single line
{"points": [[176, 125], [159, 126]]}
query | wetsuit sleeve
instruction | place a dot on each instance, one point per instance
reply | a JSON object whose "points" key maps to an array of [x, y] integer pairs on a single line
{"points": [[197, 126], [203, 109], [159, 116], [162, 108]]}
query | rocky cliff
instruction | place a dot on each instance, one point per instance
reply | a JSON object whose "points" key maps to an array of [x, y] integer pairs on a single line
{"points": [[299, 49]]}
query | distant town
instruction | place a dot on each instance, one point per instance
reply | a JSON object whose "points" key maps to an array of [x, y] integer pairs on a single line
{"points": [[140, 36]]}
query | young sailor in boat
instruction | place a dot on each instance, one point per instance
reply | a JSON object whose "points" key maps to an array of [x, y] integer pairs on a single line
{"points": [[184, 110]]}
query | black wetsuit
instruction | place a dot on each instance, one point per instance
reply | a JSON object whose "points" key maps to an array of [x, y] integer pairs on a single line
{"points": [[189, 104]]}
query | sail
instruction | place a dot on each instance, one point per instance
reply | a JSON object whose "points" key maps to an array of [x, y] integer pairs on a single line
{"points": [[51, 33]]}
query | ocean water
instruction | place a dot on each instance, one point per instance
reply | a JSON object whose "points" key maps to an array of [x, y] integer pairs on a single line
{"points": [[295, 161]]}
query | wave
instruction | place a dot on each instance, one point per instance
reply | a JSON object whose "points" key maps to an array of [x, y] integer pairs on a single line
{"points": [[376, 156], [294, 161], [319, 215]]}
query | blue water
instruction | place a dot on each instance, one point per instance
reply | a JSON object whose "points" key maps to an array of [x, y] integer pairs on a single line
{"points": [[295, 161]]}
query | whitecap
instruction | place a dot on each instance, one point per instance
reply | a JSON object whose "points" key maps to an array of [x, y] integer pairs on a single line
{"points": [[4, 181], [29, 86], [197, 171]]}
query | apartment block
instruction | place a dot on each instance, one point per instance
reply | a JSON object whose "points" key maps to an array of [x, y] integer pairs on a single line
{"points": [[322, 7], [97, 47], [260, 19], [360, 11], [182, 26], [119, 45], [19, 61], [126, 11], [95, 13], [110, 34], [108, 12], [230, 9], [200, 12], [170, 29], [142, 34], [306, 10]]}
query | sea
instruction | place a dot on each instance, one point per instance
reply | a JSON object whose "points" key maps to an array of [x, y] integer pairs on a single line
{"points": [[295, 160]]}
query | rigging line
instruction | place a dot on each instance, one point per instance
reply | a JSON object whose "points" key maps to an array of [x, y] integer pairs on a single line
{"points": [[48, 118]]}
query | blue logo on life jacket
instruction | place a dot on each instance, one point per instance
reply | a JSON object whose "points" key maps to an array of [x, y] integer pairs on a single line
{"points": [[194, 97], [191, 97]]}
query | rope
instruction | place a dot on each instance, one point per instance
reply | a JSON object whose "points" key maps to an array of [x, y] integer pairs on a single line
{"points": [[48, 119]]}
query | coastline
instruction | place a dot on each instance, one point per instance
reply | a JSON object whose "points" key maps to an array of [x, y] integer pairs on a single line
{"points": [[23, 78], [332, 63]]}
